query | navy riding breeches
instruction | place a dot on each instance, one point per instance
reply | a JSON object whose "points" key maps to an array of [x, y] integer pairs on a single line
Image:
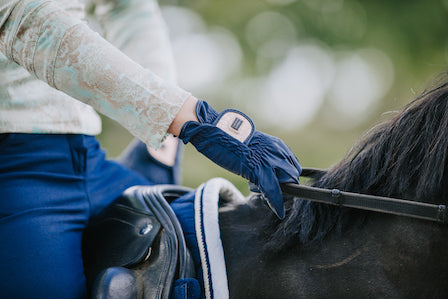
{"points": [[50, 185]]}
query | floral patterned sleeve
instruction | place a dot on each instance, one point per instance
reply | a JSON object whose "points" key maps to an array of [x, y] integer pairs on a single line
{"points": [[64, 52]]}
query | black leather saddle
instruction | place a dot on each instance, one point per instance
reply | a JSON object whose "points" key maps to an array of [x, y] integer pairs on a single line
{"points": [[135, 248]]}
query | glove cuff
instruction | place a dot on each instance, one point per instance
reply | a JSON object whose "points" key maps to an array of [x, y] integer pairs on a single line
{"points": [[205, 113]]}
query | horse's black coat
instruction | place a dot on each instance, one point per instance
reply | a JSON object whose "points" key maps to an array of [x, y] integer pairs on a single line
{"points": [[326, 251]]}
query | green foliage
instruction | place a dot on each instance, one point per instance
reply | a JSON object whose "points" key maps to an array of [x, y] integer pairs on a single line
{"points": [[411, 33]]}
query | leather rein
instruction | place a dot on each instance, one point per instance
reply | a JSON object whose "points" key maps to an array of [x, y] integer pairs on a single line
{"points": [[401, 207]]}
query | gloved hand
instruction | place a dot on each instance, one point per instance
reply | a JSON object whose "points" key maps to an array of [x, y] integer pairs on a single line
{"points": [[230, 140]]}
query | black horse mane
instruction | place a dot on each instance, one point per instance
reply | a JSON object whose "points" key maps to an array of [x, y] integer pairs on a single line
{"points": [[405, 157]]}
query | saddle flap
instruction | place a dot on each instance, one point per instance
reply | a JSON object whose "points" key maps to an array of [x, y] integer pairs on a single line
{"points": [[139, 232]]}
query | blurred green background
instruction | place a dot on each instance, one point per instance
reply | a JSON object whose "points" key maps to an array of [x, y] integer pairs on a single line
{"points": [[316, 73]]}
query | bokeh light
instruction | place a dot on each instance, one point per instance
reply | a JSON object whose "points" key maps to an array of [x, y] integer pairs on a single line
{"points": [[205, 57], [362, 79], [295, 74], [296, 87]]}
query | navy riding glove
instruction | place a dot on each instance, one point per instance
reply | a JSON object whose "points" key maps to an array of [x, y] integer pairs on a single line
{"points": [[230, 140]]}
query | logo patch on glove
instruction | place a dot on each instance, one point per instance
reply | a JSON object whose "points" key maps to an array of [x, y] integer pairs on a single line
{"points": [[236, 124]]}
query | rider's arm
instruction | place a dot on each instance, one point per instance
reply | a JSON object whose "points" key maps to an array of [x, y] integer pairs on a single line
{"points": [[138, 29], [64, 52]]}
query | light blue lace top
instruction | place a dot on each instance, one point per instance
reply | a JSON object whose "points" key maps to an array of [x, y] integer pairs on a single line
{"points": [[78, 69]]}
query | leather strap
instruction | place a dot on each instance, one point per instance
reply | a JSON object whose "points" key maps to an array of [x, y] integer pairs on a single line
{"points": [[380, 204]]}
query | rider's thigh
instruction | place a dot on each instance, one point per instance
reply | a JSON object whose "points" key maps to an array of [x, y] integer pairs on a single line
{"points": [[50, 185], [40, 255], [43, 211]]}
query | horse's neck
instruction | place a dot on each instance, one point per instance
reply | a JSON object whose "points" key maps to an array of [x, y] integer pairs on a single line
{"points": [[394, 255]]}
